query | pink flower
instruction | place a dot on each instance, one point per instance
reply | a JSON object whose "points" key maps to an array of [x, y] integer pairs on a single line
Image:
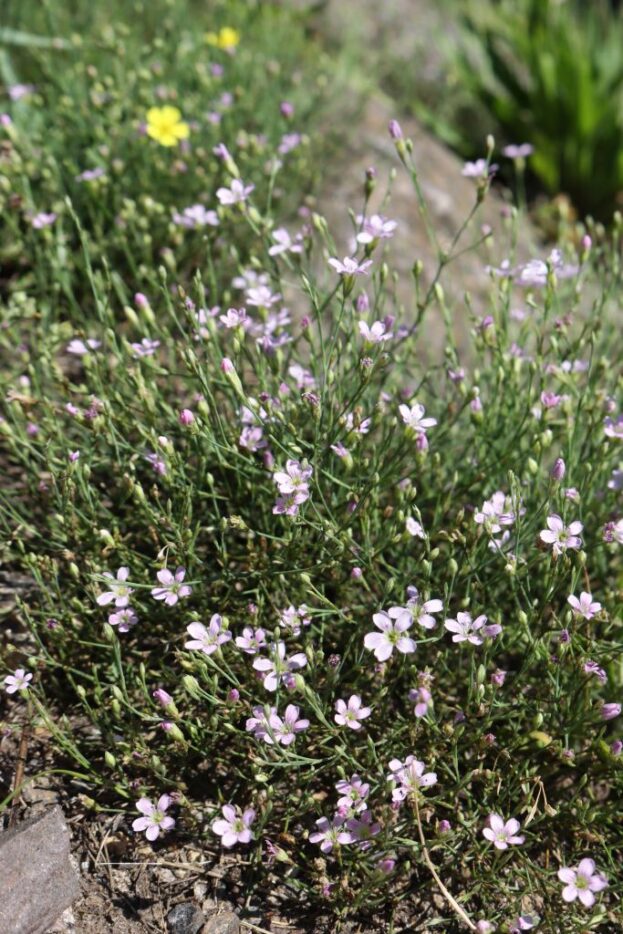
{"points": [[293, 618], [18, 681], [119, 591], [172, 587], [423, 700], [251, 640], [279, 665], [391, 635], [154, 818], [207, 640], [613, 428], [414, 528], [467, 630], [373, 228], [362, 829], [502, 833], [293, 479], [413, 417], [284, 243], [81, 348], [518, 150], [146, 348], [353, 793], [330, 834], [285, 730], [582, 882], [349, 714], [478, 169], [349, 266], [124, 619], [523, 923], [41, 220], [421, 611], [195, 217], [610, 711], [560, 536], [584, 606], [235, 194], [234, 827], [409, 776], [375, 334]]}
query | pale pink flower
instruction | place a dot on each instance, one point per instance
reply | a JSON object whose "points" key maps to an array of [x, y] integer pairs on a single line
{"points": [[613, 427], [475, 631], [210, 639], [582, 882], [278, 666], [119, 590], [154, 819], [284, 243], [363, 829], [478, 169], [518, 150], [284, 730], [124, 619], [349, 714], [293, 618], [144, 348], [414, 528], [349, 266], [235, 194], [421, 611], [502, 833], [195, 217], [423, 700], [81, 348], [18, 681], [413, 417], [392, 625], [560, 536], [235, 826], [584, 605], [251, 640], [331, 833], [294, 479], [523, 923], [353, 793], [375, 334], [409, 776], [41, 220], [610, 711], [172, 587], [375, 227]]}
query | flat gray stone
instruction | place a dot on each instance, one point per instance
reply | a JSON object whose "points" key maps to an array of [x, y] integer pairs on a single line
{"points": [[37, 879], [222, 922], [185, 918]]}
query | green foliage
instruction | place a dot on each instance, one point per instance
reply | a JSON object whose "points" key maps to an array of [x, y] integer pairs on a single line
{"points": [[551, 74]]}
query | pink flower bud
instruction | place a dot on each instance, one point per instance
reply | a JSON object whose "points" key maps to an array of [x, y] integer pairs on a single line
{"points": [[162, 697], [227, 366], [444, 826], [141, 301], [610, 711], [395, 130], [286, 109], [559, 469], [356, 573], [186, 417]]}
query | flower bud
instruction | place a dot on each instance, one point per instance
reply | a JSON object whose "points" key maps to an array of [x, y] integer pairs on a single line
{"points": [[558, 470], [186, 417]]}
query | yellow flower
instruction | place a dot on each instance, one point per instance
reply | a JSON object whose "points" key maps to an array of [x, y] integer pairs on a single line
{"points": [[165, 125], [226, 38]]}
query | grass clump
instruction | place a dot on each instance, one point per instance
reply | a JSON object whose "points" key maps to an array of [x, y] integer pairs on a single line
{"points": [[301, 596]]}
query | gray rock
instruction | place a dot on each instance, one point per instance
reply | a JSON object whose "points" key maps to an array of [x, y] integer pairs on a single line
{"points": [[185, 918], [37, 879], [222, 922]]}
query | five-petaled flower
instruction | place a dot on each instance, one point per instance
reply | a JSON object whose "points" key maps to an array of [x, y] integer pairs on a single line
{"points": [[475, 631], [584, 605], [413, 417], [560, 536], [582, 882], [330, 833], [173, 587], [154, 819], [119, 590], [279, 666], [165, 125], [392, 625], [349, 714], [237, 192], [350, 266], [18, 681], [210, 639], [501, 833], [235, 826], [408, 777]]}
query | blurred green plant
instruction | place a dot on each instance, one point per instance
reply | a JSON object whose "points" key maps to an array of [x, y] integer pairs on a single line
{"points": [[550, 73]]}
